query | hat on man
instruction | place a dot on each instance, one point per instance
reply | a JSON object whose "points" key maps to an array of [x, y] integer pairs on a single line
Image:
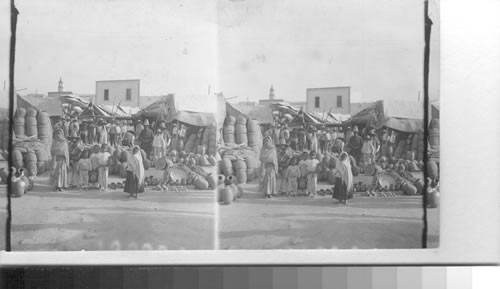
{"points": [[372, 132], [146, 122], [355, 128]]}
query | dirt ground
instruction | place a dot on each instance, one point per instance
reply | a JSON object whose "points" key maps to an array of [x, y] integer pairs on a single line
{"points": [[253, 222], [94, 220]]}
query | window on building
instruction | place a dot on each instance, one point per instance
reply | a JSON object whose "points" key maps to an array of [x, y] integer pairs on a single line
{"points": [[316, 102], [129, 94], [339, 100], [106, 94]]}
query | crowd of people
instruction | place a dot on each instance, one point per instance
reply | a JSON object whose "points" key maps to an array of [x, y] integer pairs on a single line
{"points": [[155, 138], [289, 163], [364, 146], [81, 157]]}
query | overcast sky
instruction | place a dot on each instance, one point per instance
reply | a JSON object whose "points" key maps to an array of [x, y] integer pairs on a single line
{"points": [[239, 47]]}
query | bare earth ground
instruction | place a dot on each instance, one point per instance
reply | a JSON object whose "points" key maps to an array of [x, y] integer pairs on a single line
{"points": [[253, 222], [94, 220]]}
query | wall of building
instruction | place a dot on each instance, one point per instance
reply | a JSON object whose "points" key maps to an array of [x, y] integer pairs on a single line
{"points": [[57, 94], [117, 92], [327, 97]]}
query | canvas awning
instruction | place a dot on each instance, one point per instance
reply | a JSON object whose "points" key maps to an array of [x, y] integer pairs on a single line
{"points": [[50, 105], [402, 116], [261, 112], [331, 118], [194, 110], [404, 125], [299, 116]]}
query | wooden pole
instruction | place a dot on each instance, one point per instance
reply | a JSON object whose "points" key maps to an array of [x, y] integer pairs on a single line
{"points": [[427, 37]]}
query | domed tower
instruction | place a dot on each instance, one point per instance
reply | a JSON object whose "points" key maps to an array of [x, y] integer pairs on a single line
{"points": [[271, 93], [60, 87]]}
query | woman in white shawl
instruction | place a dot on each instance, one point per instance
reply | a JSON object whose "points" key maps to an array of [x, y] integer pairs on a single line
{"points": [[134, 183], [269, 168], [344, 179]]}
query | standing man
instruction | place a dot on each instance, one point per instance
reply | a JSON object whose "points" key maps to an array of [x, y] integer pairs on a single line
{"points": [[356, 144], [276, 134], [84, 132], [103, 133], [285, 134], [118, 137], [322, 140], [66, 126], [348, 134], [166, 137], [112, 133], [294, 140], [74, 128], [309, 138], [182, 132], [91, 129], [328, 139], [138, 128], [375, 142], [301, 139], [391, 142], [146, 138]]}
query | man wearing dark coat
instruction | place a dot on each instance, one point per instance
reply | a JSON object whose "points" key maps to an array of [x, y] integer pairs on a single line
{"points": [[355, 144], [146, 138]]}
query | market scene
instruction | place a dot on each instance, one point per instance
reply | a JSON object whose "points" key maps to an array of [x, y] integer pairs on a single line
{"points": [[326, 133], [94, 178], [224, 125], [293, 167]]}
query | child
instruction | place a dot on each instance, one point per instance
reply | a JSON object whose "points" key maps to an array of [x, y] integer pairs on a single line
{"points": [[103, 167], [368, 151], [84, 166], [303, 172], [94, 160], [76, 150], [292, 174], [158, 145], [312, 174]]}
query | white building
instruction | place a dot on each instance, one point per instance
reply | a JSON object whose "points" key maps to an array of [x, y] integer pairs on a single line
{"points": [[114, 92], [329, 99]]}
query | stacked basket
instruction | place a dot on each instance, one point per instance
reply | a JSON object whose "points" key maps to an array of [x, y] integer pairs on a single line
{"points": [[4, 134], [228, 130], [254, 135], [31, 129], [434, 134], [19, 122], [241, 131]]}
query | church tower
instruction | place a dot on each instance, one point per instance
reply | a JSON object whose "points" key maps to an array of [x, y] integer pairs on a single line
{"points": [[271, 93], [60, 86]]}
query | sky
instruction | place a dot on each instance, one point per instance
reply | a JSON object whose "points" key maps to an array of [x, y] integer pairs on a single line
{"points": [[238, 47]]}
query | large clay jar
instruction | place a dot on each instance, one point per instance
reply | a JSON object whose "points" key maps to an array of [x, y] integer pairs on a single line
{"points": [[227, 195]]}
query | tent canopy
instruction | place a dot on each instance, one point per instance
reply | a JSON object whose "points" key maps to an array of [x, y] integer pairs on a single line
{"points": [[50, 105], [298, 115], [331, 118], [196, 110], [261, 112], [403, 116]]}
